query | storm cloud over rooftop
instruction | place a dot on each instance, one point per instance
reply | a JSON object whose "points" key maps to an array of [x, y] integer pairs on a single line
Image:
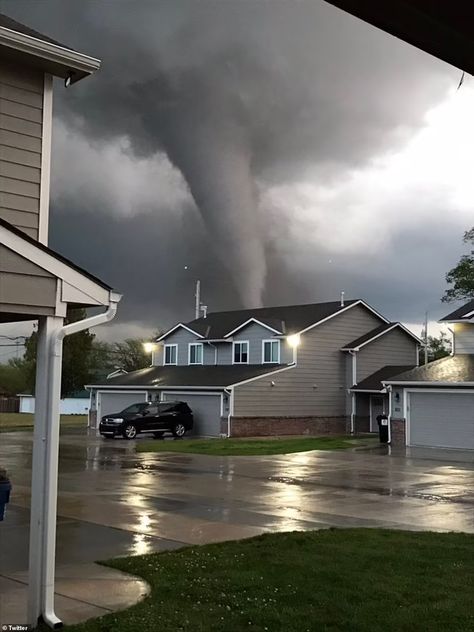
{"points": [[282, 150]]}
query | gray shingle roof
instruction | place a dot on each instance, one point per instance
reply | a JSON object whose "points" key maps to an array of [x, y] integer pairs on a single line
{"points": [[453, 369], [460, 312], [13, 25], [374, 382], [368, 336], [286, 318], [192, 376]]}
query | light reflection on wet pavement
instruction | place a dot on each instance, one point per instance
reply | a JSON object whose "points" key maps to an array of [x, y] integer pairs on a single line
{"points": [[113, 501]]}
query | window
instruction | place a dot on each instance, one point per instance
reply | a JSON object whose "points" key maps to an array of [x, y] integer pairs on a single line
{"points": [[241, 352], [135, 408], [271, 351], [171, 354], [195, 353]]}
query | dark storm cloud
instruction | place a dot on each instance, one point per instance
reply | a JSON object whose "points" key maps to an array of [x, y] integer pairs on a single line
{"points": [[239, 95]]}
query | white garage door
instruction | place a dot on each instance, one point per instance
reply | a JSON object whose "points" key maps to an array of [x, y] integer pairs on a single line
{"points": [[441, 420], [111, 402], [206, 411]]}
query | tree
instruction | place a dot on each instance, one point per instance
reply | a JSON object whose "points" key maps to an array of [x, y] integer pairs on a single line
{"points": [[129, 355], [77, 357], [462, 275], [12, 377], [437, 347]]}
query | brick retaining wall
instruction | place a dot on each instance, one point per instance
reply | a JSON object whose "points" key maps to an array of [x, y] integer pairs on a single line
{"points": [[278, 426]]}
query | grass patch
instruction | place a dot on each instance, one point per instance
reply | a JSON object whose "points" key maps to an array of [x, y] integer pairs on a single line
{"points": [[365, 580], [242, 447], [24, 421]]}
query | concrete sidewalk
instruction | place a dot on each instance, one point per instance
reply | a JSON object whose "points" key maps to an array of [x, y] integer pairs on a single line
{"points": [[83, 591]]}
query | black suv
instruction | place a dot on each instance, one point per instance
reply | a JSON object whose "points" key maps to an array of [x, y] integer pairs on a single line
{"points": [[155, 417]]}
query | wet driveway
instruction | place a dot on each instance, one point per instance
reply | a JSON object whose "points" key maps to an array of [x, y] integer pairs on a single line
{"points": [[115, 502]]}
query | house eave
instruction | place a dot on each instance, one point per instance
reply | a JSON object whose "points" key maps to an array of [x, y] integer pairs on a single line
{"points": [[60, 61], [427, 384]]}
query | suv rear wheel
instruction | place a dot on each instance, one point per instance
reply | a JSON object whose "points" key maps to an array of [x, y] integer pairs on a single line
{"points": [[130, 431], [179, 430]]}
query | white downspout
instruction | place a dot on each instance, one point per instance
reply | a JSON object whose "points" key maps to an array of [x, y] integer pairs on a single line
{"points": [[354, 382], [230, 393], [52, 453], [389, 391]]}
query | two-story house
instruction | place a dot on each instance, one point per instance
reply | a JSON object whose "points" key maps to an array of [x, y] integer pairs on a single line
{"points": [[272, 371], [37, 283], [433, 405]]}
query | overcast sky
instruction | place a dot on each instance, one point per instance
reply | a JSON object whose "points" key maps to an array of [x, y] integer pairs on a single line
{"points": [[282, 150]]}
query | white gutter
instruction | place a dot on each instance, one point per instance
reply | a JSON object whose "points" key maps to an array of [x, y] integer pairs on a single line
{"points": [[428, 383], [52, 452], [70, 60]]}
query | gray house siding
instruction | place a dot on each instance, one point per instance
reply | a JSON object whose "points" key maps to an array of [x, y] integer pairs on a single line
{"points": [[255, 334], [317, 385], [395, 347], [21, 116], [463, 338]]}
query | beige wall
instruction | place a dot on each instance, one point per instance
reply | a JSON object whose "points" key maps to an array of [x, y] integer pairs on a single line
{"points": [[24, 286], [395, 347], [21, 115], [463, 337], [320, 364]]}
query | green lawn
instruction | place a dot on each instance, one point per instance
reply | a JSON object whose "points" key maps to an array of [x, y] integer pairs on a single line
{"points": [[24, 421], [365, 580], [235, 447]]}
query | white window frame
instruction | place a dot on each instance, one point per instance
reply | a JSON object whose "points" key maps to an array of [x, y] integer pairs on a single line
{"points": [[271, 340], [164, 355], [195, 344], [240, 342]]}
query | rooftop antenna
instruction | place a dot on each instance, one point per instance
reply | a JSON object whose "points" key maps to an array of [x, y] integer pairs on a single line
{"points": [[342, 298]]}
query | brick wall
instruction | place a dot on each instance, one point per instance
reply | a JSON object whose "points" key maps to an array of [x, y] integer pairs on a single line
{"points": [[398, 431], [278, 426]]}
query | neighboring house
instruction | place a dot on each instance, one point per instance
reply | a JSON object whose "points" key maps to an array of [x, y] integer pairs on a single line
{"points": [[271, 371], [433, 405], [75, 404]]}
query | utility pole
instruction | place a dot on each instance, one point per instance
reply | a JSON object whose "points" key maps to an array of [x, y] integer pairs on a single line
{"points": [[426, 338], [197, 296]]}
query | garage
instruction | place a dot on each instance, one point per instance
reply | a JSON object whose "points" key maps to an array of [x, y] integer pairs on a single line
{"points": [[206, 410], [115, 401], [441, 419]]}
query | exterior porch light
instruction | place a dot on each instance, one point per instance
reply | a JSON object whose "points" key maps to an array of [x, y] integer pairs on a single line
{"points": [[294, 340], [149, 347]]}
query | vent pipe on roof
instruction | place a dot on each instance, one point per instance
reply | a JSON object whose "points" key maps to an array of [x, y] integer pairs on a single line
{"points": [[342, 298]]}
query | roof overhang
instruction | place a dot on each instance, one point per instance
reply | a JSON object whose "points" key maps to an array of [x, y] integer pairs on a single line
{"points": [[74, 286], [442, 29], [52, 58]]}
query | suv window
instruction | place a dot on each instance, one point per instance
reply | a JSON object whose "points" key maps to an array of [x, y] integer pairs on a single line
{"points": [[135, 408], [167, 408], [152, 410]]}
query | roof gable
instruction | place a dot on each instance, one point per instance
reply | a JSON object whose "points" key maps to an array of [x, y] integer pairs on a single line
{"points": [[376, 333], [178, 326], [256, 322]]}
